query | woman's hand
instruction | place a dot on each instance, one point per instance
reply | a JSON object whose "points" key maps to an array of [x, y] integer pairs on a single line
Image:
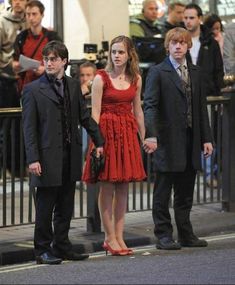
{"points": [[149, 146]]}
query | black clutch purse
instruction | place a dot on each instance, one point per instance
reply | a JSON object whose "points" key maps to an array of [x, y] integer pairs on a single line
{"points": [[97, 165]]}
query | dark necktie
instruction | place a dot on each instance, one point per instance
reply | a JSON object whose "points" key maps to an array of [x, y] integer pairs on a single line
{"points": [[59, 85]]}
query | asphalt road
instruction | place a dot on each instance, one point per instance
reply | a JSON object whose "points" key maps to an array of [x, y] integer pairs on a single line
{"points": [[212, 265]]}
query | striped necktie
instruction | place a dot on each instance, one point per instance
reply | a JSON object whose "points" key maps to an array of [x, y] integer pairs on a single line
{"points": [[184, 73]]}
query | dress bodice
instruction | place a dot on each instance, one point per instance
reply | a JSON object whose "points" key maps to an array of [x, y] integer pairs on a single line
{"points": [[112, 95]]}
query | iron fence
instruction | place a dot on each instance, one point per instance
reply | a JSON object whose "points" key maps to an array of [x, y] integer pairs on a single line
{"points": [[17, 197]]}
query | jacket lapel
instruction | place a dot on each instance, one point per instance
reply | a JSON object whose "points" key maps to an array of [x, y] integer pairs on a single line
{"points": [[172, 74], [47, 90], [71, 87]]}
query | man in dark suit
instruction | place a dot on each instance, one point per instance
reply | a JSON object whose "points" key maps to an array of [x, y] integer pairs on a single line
{"points": [[177, 124], [53, 109]]}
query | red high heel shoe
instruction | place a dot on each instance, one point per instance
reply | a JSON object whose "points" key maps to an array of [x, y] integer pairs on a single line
{"points": [[128, 251], [107, 248]]}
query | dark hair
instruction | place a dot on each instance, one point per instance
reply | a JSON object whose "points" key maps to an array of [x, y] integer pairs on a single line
{"points": [[58, 49], [132, 67], [36, 3], [211, 19], [195, 7]]}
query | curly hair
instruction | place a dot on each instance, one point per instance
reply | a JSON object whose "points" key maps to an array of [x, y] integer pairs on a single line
{"points": [[211, 19]]}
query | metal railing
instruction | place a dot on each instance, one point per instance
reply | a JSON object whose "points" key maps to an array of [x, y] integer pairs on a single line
{"points": [[16, 197]]}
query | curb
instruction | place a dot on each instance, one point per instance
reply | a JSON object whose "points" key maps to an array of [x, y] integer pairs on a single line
{"points": [[19, 255]]}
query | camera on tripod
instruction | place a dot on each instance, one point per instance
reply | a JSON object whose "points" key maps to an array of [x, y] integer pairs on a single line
{"points": [[91, 53]]}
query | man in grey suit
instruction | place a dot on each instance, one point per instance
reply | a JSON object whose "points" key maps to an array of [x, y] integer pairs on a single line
{"points": [[53, 109], [177, 125]]}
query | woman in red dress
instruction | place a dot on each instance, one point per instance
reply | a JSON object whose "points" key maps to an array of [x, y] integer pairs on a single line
{"points": [[116, 107]]}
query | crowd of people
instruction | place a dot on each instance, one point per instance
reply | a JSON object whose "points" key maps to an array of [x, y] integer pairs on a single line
{"points": [[173, 124]]}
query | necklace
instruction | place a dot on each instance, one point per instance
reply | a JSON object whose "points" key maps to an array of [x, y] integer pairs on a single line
{"points": [[122, 77]]}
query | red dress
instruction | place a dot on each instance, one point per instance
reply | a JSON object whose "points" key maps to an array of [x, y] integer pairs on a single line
{"points": [[123, 159]]}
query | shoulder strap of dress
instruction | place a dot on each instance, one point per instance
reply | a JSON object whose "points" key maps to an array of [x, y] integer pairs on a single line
{"points": [[105, 77]]}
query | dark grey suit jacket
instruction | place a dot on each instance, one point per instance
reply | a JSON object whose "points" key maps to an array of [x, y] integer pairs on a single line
{"points": [[165, 109], [42, 126]]}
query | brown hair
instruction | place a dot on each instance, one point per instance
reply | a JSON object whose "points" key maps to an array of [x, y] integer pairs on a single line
{"points": [[88, 64], [178, 34], [36, 3], [171, 6], [10, 2], [132, 67]]}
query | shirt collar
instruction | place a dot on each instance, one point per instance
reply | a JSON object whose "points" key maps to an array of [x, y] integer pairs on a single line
{"points": [[52, 78], [175, 63]]}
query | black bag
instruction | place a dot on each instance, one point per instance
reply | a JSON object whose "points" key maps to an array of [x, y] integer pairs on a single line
{"points": [[97, 165]]}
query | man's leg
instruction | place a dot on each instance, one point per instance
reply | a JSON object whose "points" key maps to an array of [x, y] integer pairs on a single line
{"points": [[43, 233], [183, 200], [184, 183], [161, 198], [161, 215], [62, 217]]}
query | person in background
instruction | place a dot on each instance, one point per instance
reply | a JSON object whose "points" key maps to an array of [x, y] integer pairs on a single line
{"points": [[116, 107], [144, 24], [12, 22], [53, 107], [176, 118], [229, 49], [174, 17], [87, 71], [205, 53], [86, 74], [214, 24], [30, 43]]}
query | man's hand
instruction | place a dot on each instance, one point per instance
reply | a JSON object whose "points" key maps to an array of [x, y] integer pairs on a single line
{"points": [[40, 70], [208, 149], [99, 151], [85, 89], [149, 146], [35, 168], [16, 66]]}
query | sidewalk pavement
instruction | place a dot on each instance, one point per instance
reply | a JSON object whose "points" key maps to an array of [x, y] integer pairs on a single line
{"points": [[16, 243]]}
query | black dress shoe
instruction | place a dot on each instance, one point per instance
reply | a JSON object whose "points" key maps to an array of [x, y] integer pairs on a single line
{"points": [[47, 258], [73, 256], [167, 243], [193, 242]]}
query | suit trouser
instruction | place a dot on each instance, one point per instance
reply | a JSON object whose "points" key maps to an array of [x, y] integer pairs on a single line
{"points": [[183, 185], [54, 204]]}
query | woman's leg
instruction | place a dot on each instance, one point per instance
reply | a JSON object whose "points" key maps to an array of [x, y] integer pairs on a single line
{"points": [[120, 206], [106, 196]]}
